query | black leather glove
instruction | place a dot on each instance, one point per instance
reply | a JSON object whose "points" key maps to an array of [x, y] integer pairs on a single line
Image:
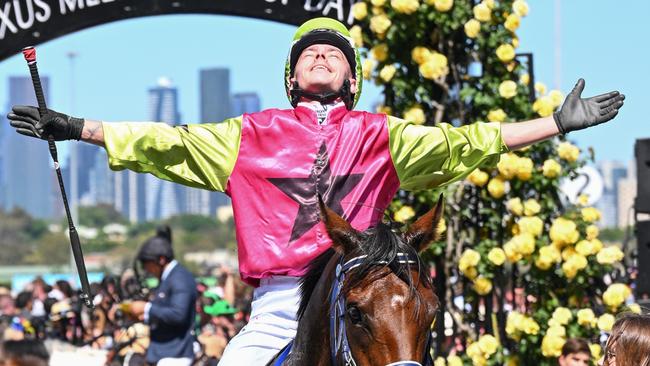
{"points": [[27, 121], [577, 113]]}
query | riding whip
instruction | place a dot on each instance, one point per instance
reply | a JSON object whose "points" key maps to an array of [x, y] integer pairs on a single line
{"points": [[30, 57]]}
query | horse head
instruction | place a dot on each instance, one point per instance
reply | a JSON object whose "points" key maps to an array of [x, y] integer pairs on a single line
{"points": [[370, 300]]}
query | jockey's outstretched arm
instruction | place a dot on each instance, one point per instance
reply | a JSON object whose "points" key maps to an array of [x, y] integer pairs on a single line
{"points": [[575, 114]]}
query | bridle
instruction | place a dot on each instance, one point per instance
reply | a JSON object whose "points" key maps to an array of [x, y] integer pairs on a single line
{"points": [[338, 335]]}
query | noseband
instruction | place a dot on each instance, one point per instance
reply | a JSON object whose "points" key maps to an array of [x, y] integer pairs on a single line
{"points": [[338, 335]]}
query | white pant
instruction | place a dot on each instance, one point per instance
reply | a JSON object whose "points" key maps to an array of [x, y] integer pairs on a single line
{"points": [[272, 323], [174, 362]]}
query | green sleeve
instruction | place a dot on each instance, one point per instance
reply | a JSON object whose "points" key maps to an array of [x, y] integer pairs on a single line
{"points": [[428, 157], [199, 155]]}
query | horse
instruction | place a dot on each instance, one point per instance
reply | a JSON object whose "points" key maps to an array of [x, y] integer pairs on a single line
{"points": [[369, 299]]}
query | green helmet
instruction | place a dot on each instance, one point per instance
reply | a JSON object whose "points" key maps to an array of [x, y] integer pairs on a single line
{"points": [[324, 31]]}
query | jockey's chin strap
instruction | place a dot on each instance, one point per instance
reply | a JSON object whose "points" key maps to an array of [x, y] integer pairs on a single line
{"points": [[338, 335], [323, 98]]}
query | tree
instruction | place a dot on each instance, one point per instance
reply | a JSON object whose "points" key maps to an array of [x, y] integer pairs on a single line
{"points": [[512, 241]]}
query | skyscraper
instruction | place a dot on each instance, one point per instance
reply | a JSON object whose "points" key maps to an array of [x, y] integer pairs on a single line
{"points": [[215, 107], [613, 172], [164, 199], [245, 103], [27, 175]]}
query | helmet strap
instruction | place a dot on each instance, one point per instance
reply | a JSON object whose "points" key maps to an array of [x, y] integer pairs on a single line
{"points": [[324, 98]]}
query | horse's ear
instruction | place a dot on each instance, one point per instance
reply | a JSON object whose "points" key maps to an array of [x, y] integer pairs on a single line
{"points": [[422, 232], [344, 236]]}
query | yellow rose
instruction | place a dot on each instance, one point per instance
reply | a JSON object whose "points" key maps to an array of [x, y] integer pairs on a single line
{"points": [[540, 88], [357, 35], [543, 106], [511, 251], [497, 115], [496, 188], [497, 256], [454, 361], [609, 255], [470, 272], [562, 315], [472, 28], [550, 253], [415, 114], [531, 207], [378, 3], [524, 79], [482, 285], [635, 308], [469, 258], [443, 5], [387, 72], [616, 294], [598, 245], [490, 3], [520, 7], [508, 88], [543, 263], [404, 214], [592, 232], [515, 44], [532, 225], [478, 177], [585, 247], [507, 165], [551, 168], [488, 345], [512, 22], [384, 109], [596, 351], [473, 350], [380, 24], [360, 10], [505, 52], [514, 322], [405, 6], [524, 243], [435, 66], [530, 326], [367, 66], [605, 322], [515, 206], [439, 362], [564, 231], [556, 97], [380, 52], [552, 346], [586, 317], [420, 54], [524, 168], [482, 12], [556, 330], [568, 152], [590, 214]]}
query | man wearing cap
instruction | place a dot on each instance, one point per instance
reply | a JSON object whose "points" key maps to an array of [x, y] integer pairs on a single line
{"points": [[275, 163], [171, 312]]}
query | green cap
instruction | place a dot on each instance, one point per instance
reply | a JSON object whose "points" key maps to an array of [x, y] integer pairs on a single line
{"points": [[220, 307]]}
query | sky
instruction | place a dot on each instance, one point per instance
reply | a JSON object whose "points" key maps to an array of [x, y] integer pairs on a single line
{"points": [[602, 41]]}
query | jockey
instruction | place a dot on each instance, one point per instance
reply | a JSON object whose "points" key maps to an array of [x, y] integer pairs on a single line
{"points": [[275, 163]]}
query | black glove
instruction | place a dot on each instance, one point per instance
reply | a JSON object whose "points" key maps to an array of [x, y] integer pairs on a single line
{"points": [[577, 113], [27, 121]]}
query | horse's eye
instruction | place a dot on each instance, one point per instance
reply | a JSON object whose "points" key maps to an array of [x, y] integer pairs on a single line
{"points": [[354, 314]]}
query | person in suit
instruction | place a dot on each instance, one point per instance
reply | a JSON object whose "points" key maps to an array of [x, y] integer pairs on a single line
{"points": [[170, 313]]}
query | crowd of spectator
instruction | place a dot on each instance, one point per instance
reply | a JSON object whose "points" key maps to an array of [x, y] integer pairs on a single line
{"points": [[44, 317]]}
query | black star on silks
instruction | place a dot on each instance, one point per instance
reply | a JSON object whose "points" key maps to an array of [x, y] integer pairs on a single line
{"points": [[305, 192]]}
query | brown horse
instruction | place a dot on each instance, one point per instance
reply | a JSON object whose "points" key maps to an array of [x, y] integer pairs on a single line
{"points": [[369, 300]]}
